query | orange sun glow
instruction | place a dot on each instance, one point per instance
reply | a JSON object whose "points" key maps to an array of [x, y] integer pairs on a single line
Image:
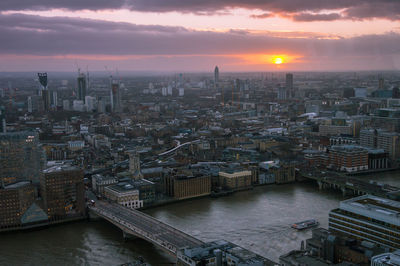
{"points": [[278, 60]]}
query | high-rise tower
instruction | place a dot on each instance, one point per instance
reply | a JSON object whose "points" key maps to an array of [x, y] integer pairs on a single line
{"points": [[216, 76], [44, 91], [81, 87], [115, 95], [289, 85]]}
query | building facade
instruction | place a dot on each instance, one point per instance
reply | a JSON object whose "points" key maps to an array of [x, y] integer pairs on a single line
{"points": [[15, 199], [348, 158], [63, 192], [368, 218]]}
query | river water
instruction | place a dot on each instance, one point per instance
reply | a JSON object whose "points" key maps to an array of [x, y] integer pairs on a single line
{"points": [[257, 219]]}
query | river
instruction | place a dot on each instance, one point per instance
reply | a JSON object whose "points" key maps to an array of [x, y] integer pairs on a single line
{"points": [[257, 219]]}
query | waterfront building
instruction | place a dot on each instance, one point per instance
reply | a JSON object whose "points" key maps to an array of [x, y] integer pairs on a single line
{"points": [[15, 199], [184, 186], [235, 179], [368, 218], [100, 182], [63, 191], [348, 158], [387, 259], [381, 139], [220, 252], [284, 173], [21, 156], [124, 193]]}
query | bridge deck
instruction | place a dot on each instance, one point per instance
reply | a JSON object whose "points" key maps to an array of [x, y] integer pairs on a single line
{"points": [[145, 223]]}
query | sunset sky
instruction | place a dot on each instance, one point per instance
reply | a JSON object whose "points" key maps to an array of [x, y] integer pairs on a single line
{"points": [[196, 35]]}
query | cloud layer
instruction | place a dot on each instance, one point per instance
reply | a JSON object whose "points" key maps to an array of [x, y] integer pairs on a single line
{"points": [[300, 10], [98, 40]]}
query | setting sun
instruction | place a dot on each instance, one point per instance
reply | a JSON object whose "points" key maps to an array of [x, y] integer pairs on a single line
{"points": [[278, 60]]}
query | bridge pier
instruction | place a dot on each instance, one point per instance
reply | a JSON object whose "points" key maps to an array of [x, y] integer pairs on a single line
{"points": [[320, 185], [344, 191], [92, 216], [128, 236]]}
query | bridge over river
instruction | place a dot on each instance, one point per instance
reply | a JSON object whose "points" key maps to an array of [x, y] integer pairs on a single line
{"points": [[139, 224], [349, 184]]}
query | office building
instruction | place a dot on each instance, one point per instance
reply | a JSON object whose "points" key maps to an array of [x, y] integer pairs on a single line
{"points": [[348, 158], [125, 194], [21, 156], [360, 92], [63, 191], [15, 199], [184, 186], [100, 182], [115, 95], [289, 85], [3, 127], [381, 139], [218, 253], [216, 76], [44, 92], [231, 179], [282, 93], [82, 87], [368, 218], [387, 259]]}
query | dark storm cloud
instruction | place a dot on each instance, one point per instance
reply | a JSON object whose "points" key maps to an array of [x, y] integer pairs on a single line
{"points": [[297, 9], [36, 35], [316, 17]]}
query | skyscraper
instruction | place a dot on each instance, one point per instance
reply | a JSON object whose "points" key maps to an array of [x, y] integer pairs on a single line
{"points": [[115, 96], [44, 91], [381, 84], [81, 87], [2, 120], [289, 85], [216, 76]]}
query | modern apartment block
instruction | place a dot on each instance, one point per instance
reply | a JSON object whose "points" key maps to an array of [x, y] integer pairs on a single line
{"points": [[369, 218], [349, 158]]}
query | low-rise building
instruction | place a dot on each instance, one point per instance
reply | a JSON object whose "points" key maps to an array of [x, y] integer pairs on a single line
{"points": [[387, 259], [218, 253], [348, 158], [231, 179], [100, 182], [124, 193], [183, 186]]}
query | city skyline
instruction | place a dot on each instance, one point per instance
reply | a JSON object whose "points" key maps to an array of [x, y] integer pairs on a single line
{"points": [[197, 35]]}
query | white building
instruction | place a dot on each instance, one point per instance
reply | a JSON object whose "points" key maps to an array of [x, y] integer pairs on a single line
{"points": [[66, 106], [78, 105], [125, 194], [386, 259]]}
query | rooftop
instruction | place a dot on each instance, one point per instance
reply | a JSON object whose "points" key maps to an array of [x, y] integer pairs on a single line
{"points": [[370, 206], [17, 185]]}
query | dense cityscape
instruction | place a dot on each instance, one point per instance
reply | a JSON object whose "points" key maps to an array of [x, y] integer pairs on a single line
{"points": [[98, 146]]}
